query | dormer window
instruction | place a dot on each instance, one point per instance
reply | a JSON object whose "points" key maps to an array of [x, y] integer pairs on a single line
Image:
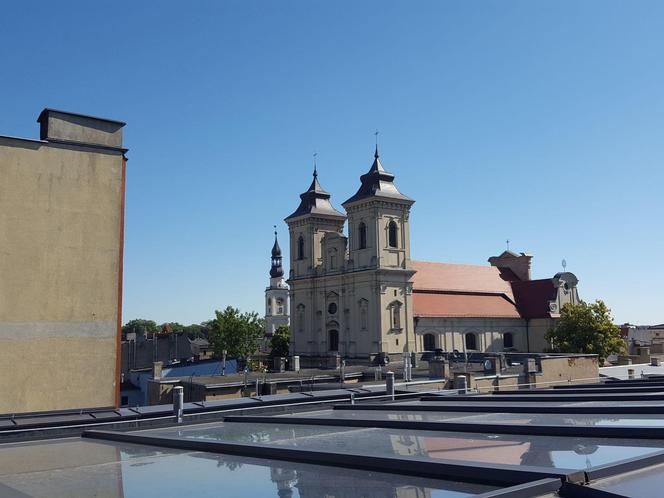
{"points": [[300, 247], [362, 232], [392, 233]]}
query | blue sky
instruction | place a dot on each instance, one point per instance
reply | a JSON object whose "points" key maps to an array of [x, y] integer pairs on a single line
{"points": [[539, 122]]}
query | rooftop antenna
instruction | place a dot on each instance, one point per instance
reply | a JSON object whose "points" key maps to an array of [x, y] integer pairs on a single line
{"points": [[564, 263]]}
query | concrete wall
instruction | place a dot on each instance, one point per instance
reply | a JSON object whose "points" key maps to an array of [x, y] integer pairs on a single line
{"points": [[568, 369], [61, 225]]}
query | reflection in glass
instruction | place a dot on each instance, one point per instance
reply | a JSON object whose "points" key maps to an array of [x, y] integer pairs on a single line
{"points": [[89, 468], [546, 451]]}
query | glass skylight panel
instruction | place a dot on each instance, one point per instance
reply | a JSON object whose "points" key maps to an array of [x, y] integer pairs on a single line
{"points": [[643, 482], [571, 419], [89, 468], [545, 451]]}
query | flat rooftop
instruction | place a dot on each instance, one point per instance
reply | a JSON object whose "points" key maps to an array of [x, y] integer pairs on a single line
{"points": [[602, 439]]}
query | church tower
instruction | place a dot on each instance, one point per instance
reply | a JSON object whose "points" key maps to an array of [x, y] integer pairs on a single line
{"points": [[313, 220], [317, 260], [379, 239], [276, 295]]}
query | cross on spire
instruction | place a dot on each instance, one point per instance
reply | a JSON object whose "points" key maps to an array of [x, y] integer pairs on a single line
{"points": [[315, 168], [508, 244], [376, 153]]}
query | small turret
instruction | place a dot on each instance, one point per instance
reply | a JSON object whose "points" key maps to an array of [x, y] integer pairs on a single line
{"points": [[276, 270]]}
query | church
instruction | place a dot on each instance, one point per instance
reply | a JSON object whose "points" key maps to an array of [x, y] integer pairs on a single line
{"points": [[361, 295]]}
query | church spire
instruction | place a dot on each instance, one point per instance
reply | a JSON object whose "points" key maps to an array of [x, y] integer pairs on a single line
{"points": [[316, 201], [378, 183], [276, 270]]}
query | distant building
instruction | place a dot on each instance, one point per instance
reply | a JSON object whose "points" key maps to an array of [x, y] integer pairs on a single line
{"points": [[643, 335], [276, 295], [488, 308], [139, 351], [361, 295], [61, 234]]}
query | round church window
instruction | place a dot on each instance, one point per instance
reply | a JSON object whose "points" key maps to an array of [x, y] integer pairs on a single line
{"points": [[332, 308]]}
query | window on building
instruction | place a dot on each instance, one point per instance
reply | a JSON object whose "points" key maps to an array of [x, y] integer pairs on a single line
{"points": [[392, 234], [280, 311], [334, 340], [429, 342], [363, 235], [332, 308], [508, 340], [300, 247], [471, 341], [364, 305], [395, 309], [300, 317]]}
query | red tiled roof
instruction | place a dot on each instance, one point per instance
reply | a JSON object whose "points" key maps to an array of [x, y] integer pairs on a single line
{"points": [[460, 278], [533, 296], [443, 304]]}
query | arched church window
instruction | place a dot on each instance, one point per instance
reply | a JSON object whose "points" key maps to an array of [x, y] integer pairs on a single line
{"points": [[334, 340], [300, 317], [364, 325], [333, 259], [429, 342], [471, 341], [300, 247], [332, 308], [392, 234], [508, 340], [395, 309], [363, 235]]}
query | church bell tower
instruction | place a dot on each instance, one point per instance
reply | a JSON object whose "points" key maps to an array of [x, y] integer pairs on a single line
{"points": [[276, 295]]}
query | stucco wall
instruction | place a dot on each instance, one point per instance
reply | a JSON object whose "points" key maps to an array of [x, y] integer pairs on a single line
{"points": [[450, 333], [60, 252]]}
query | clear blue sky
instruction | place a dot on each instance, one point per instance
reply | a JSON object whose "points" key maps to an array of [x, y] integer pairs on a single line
{"points": [[541, 122]]}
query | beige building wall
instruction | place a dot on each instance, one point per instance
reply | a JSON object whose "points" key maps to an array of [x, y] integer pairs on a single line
{"points": [[449, 333], [61, 229]]}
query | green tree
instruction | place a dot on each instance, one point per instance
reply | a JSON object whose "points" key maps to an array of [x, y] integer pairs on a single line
{"points": [[280, 341], [140, 326], [587, 328], [196, 330], [237, 333]]}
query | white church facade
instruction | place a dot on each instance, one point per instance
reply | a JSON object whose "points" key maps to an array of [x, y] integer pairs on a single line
{"points": [[360, 295]]}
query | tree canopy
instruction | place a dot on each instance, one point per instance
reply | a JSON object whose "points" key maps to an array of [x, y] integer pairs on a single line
{"points": [[587, 328], [140, 326], [280, 342], [236, 332]]}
